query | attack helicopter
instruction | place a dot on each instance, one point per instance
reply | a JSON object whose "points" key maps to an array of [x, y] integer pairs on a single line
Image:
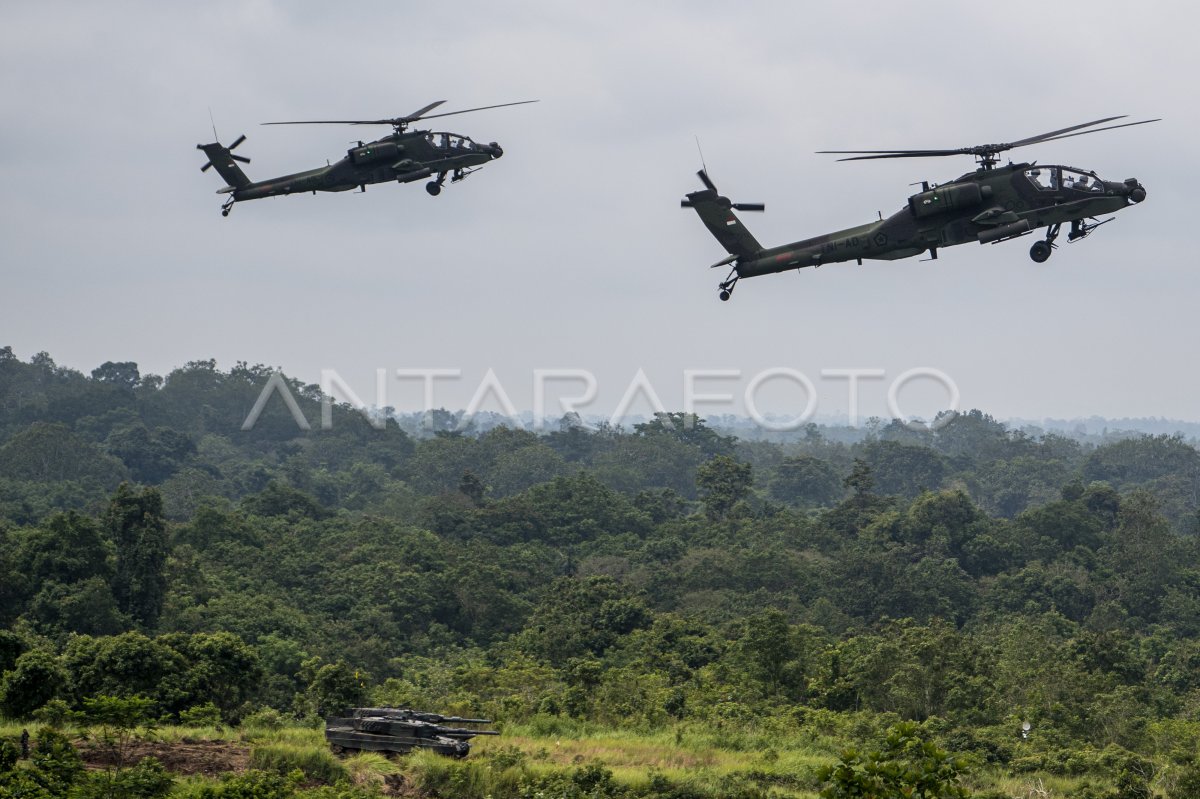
{"points": [[990, 205], [403, 156]]}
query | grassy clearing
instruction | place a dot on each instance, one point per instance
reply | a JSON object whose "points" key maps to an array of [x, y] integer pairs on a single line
{"points": [[635, 760], [700, 761], [666, 752]]}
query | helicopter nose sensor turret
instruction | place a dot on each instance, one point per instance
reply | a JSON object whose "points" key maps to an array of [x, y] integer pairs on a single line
{"points": [[496, 150], [1135, 191]]}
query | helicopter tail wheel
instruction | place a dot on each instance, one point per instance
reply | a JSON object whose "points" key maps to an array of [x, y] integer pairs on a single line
{"points": [[1040, 251], [726, 286]]}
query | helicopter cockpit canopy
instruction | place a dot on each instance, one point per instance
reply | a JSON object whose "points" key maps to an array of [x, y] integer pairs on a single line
{"points": [[450, 142], [1051, 178]]}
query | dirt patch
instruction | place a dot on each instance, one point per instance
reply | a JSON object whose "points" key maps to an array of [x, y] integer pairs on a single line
{"points": [[207, 758]]}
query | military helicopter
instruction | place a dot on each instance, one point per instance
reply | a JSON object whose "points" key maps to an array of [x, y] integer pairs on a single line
{"points": [[990, 205], [402, 156]]}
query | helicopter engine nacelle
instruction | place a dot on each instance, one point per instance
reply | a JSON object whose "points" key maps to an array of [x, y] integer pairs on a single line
{"points": [[946, 198], [370, 153]]}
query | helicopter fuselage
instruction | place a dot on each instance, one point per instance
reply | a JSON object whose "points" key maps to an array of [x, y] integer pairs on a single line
{"points": [[402, 157], [985, 206]]}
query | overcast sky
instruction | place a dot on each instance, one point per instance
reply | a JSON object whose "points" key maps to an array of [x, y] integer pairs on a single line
{"points": [[571, 252]]}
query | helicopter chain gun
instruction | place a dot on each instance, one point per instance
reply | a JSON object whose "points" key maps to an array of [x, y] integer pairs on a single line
{"points": [[403, 156], [992, 204]]}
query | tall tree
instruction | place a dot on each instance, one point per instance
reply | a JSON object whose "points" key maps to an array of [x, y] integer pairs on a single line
{"points": [[135, 522], [723, 481]]}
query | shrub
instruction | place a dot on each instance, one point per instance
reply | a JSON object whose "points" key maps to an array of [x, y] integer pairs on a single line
{"points": [[35, 680], [55, 757], [268, 718], [147, 780], [252, 785], [206, 715]]}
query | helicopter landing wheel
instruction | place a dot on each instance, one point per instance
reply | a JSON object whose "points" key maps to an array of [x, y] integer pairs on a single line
{"points": [[434, 188], [727, 285], [1040, 251]]}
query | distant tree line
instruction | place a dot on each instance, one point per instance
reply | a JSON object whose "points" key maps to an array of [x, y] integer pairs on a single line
{"points": [[970, 579]]}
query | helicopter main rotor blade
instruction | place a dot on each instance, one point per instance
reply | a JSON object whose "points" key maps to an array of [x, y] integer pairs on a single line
{"points": [[948, 152], [425, 110], [333, 122], [1097, 130], [391, 121], [968, 150], [397, 121], [986, 150], [469, 110], [898, 154], [1055, 133]]}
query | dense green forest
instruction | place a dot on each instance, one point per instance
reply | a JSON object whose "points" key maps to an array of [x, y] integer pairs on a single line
{"points": [[665, 577]]}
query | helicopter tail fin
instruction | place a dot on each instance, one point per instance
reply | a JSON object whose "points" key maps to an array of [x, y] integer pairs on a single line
{"points": [[224, 160], [717, 214]]}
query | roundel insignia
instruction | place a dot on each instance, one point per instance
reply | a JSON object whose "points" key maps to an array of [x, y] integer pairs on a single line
{"points": [[880, 239]]}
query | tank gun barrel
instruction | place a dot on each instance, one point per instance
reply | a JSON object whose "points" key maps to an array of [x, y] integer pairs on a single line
{"points": [[453, 732]]}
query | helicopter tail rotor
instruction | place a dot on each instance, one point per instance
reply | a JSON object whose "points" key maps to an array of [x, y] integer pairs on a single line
{"points": [[717, 214], [223, 159], [234, 146]]}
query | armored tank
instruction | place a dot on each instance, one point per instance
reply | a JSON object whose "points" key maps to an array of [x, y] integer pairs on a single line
{"points": [[400, 730]]}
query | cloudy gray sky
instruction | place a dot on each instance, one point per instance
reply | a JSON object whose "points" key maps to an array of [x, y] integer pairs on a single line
{"points": [[572, 251]]}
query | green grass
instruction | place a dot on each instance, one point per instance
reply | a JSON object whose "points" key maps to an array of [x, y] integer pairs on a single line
{"points": [[298, 736], [370, 768], [316, 762], [498, 765], [177, 734]]}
